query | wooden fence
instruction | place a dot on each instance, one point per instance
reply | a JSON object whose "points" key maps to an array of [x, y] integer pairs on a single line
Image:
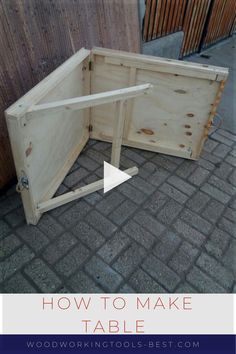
{"points": [[36, 36], [204, 22]]}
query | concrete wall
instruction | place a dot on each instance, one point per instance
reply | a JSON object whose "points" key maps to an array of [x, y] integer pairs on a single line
{"points": [[168, 46]]}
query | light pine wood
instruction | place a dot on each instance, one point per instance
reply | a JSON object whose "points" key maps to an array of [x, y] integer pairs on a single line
{"points": [[173, 117], [78, 103], [78, 193], [169, 106], [118, 134]]}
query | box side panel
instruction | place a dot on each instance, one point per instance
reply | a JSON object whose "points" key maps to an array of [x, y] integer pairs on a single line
{"points": [[47, 145], [172, 119]]}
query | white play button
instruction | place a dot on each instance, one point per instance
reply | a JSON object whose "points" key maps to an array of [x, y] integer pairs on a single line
{"points": [[113, 177]]}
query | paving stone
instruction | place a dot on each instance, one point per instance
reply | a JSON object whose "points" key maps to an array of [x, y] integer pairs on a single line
{"points": [[203, 282], [227, 226], [143, 283], [210, 158], [125, 162], [232, 203], [161, 273], [221, 150], [61, 190], [232, 178], [158, 177], [223, 170], [210, 145], [8, 245], [216, 270], [199, 176], [150, 223], [63, 290], [113, 247], [229, 259], [110, 202], [215, 193], [183, 258], [169, 212], [59, 248], [205, 164], [217, 243], [87, 163], [186, 169], [33, 237], [231, 160], [9, 204], [167, 246], [97, 156], [4, 229], [148, 168], [49, 226], [123, 212], [230, 214], [196, 221], [190, 234], [132, 193], [73, 178], [19, 284], [174, 159], [143, 186], [101, 223], [126, 289], [16, 261], [81, 283], [222, 139], [73, 260], [198, 201], [227, 134], [101, 146], [103, 274], [60, 210], [185, 288], [155, 202], [213, 211], [162, 161], [73, 215], [93, 198], [181, 185], [88, 235], [147, 154], [233, 152], [174, 193], [133, 154], [139, 234], [129, 260], [15, 217], [46, 280], [222, 185]]}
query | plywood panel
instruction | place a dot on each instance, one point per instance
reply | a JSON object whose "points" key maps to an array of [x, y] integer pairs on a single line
{"points": [[173, 118], [46, 146]]}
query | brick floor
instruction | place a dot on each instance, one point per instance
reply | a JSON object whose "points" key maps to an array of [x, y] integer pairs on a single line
{"points": [[171, 228]]}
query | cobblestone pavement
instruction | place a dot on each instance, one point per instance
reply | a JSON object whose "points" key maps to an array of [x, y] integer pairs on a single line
{"points": [[168, 229]]}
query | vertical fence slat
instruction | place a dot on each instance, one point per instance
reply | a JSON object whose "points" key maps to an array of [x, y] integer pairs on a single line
{"points": [[204, 22]]}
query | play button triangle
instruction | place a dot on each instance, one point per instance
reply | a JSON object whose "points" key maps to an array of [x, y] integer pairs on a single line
{"points": [[113, 177]]}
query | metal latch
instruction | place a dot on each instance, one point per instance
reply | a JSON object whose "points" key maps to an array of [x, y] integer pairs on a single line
{"points": [[23, 183]]}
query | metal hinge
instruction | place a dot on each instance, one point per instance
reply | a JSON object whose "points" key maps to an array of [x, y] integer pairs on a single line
{"points": [[23, 183], [90, 128], [90, 65]]}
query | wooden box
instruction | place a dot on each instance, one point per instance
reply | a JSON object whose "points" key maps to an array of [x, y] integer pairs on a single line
{"points": [[168, 106]]}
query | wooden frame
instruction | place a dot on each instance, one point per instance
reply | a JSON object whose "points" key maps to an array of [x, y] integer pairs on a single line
{"points": [[101, 94]]}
